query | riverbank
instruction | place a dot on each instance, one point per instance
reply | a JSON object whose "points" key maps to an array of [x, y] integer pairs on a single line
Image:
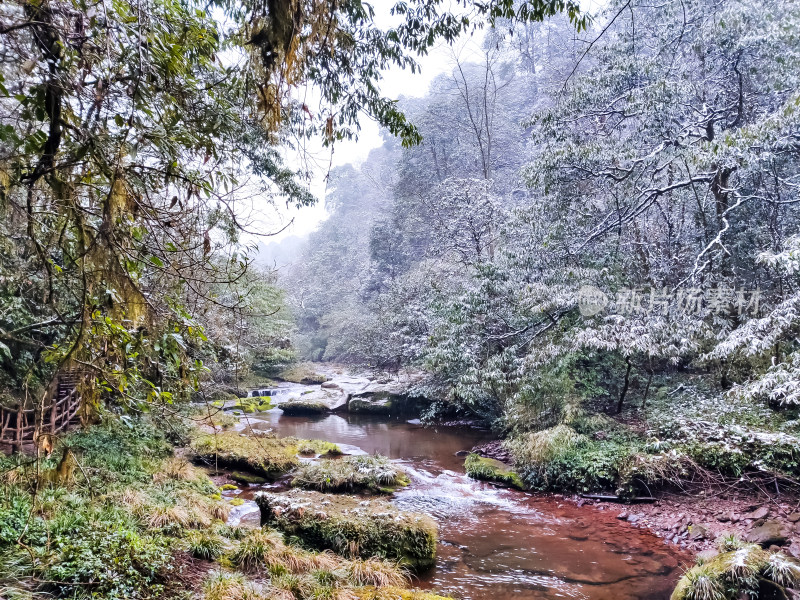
{"points": [[492, 540], [689, 449], [118, 511], [695, 520]]}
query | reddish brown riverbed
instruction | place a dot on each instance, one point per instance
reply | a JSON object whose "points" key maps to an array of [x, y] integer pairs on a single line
{"points": [[497, 544]]}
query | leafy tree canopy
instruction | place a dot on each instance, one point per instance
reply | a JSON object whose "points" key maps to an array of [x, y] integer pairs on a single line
{"points": [[129, 131]]}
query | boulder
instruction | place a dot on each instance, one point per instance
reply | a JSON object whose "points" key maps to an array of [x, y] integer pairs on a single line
{"points": [[315, 403], [247, 478], [699, 532], [383, 400], [489, 469], [370, 404], [352, 526], [758, 513], [771, 532], [303, 407]]}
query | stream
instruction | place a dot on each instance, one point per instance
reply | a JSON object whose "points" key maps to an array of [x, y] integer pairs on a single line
{"points": [[494, 542]]}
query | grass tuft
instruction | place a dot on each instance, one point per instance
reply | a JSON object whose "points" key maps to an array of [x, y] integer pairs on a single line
{"points": [[232, 586], [255, 548], [741, 572], [377, 573], [205, 544]]}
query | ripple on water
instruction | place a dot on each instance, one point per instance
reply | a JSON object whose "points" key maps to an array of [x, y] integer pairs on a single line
{"points": [[446, 494]]}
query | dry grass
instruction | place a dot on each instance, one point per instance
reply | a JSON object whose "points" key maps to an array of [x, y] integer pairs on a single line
{"points": [[176, 469], [377, 573], [232, 586], [162, 507], [543, 446], [299, 574], [161, 516]]}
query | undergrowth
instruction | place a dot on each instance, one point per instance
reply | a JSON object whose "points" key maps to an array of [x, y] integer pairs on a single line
{"points": [[114, 526], [740, 570], [686, 436]]}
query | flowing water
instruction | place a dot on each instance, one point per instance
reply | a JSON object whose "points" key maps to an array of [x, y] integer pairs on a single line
{"points": [[497, 543]]}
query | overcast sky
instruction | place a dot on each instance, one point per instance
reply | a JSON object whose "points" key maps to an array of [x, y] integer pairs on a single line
{"points": [[396, 83]]}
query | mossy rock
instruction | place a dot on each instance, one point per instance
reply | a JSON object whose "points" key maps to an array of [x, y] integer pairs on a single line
{"points": [[367, 406], [318, 448], [384, 402], [375, 474], [299, 407], [352, 527], [489, 469], [254, 404], [265, 456], [247, 478]]}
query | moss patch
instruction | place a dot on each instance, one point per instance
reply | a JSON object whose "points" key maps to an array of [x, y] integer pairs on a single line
{"points": [[352, 527], [300, 407], [393, 593], [351, 474], [263, 455], [252, 405], [489, 469], [365, 406]]}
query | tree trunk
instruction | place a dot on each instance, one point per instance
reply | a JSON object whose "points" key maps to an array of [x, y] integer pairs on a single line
{"points": [[647, 387], [625, 384]]}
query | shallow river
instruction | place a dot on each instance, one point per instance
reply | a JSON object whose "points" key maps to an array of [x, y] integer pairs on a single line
{"points": [[496, 543]]}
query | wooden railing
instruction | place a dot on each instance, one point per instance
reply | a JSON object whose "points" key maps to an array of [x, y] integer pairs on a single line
{"points": [[20, 425]]}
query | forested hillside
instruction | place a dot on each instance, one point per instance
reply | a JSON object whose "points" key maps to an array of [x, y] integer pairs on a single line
{"points": [[657, 171]]}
